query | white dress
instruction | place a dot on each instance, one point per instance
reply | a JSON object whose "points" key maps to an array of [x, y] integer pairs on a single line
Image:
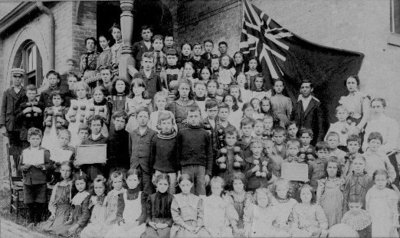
{"points": [[382, 207], [285, 209], [260, 221], [217, 216], [132, 211], [97, 225]]}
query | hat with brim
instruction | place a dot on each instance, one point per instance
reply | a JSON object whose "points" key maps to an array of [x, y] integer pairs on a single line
{"points": [[17, 71]]}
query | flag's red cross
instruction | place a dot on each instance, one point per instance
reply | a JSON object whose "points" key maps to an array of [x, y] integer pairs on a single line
{"points": [[260, 39]]}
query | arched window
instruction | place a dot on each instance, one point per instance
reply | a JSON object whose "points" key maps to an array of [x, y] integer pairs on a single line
{"points": [[32, 63], [28, 57]]}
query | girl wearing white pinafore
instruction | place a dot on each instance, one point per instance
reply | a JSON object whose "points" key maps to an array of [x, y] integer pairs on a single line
{"points": [[130, 226]]}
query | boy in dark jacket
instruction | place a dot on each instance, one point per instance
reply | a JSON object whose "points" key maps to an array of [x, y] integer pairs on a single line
{"points": [[163, 150], [8, 107], [29, 114], [118, 144], [54, 80], [140, 143], [195, 151], [34, 163]]}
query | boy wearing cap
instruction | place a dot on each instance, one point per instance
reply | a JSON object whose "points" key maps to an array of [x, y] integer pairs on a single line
{"points": [[8, 108]]}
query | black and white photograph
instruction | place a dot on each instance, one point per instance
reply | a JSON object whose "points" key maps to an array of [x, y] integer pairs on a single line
{"points": [[199, 118]]}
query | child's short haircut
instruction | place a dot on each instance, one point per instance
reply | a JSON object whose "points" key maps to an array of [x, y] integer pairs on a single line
{"points": [[104, 67], [96, 118], [223, 105], [375, 136], [208, 40], [64, 131], [341, 107], [148, 55], [90, 38], [255, 142], [360, 156], [293, 142], [197, 43], [171, 52], [291, 123], [33, 131], [355, 138], [53, 72], [222, 43], [212, 81], [158, 37], [185, 177], [268, 116], [142, 109], [380, 172], [246, 121], [119, 114], [81, 84], [217, 180], [383, 101], [194, 109], [163, 116], [308, 131], [231, 130], [259, 120], [211, 103], [331, 134], [31, 87], [321, 145], [279, 129], [199, 83], [146, 27], [56, 93]]}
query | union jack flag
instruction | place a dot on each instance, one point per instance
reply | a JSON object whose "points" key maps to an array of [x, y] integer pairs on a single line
{"points": [[284, 55], [261, 38]]}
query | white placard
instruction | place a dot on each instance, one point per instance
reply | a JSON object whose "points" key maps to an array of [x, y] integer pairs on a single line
{"points": [[59, 155], [33, 157], [91, 154], [294, 171]]}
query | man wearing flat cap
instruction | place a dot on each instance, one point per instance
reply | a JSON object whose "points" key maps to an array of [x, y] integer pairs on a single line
{"points": [[8, 108]]}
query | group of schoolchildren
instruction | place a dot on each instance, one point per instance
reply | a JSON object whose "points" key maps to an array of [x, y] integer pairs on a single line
{"points": [[195, 146]]}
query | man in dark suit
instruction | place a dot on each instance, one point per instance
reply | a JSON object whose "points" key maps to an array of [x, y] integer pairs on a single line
{"points": [[142, 46], [307, 112]]}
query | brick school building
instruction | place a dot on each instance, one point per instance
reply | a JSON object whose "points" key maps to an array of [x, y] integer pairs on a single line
{"points": [[42, 36]]}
